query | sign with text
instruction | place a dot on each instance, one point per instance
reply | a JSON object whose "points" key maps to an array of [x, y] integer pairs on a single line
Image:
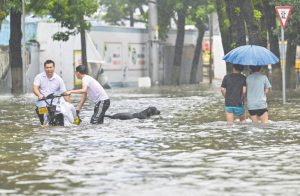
{"points": [[283, 13], [137, 56], [113, 55]]}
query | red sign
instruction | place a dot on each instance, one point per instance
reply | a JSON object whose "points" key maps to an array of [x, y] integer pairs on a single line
{"points": [[283, 13]]}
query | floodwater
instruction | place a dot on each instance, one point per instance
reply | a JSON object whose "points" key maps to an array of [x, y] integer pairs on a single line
{"points": [[187, 150]]}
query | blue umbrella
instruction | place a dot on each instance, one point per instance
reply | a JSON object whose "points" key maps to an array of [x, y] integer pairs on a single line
{"points": [[251, 55]]}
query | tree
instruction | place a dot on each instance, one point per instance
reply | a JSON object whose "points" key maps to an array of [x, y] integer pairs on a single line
{"points": [[15, 47], [237, 32], [181, 10], [224, 25], [198, 15], [165, 10], [270, 23], [231, 22], [14, 9], [176, 10], [3, 11], [252, 19], [118, 11], [70, 13], [193, 11], [15, 51]]}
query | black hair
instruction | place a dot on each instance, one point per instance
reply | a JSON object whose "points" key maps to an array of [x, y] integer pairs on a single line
{"points": [[81, 69], [238, 67], [255, 68], [49, 62]]}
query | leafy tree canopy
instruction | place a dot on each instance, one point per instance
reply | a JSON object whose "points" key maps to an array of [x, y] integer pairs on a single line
{"points": [[70, 13], [118, 11]]}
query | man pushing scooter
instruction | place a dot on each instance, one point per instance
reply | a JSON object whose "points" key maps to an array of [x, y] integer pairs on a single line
{"points": [[45, 86]]}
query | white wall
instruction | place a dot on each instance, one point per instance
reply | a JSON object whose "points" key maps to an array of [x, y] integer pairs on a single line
{"points": [[219, 63], [218, 51], [121, 38], [190, 37], [124, 37]]}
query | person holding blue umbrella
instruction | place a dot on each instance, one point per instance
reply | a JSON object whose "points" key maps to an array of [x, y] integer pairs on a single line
{"points": [[233, 88], [258, 86]]}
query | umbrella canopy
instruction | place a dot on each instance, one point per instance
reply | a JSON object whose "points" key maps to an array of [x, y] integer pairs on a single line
{"points": [[251, 55]]}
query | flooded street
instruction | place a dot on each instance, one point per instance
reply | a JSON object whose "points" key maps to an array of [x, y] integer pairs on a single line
{"points": [[187, 150]]}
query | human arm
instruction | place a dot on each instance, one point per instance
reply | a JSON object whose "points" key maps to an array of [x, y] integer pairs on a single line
{"points": [[244, 91], [67, 97], [267, 90], [267, 86], [223, 86], [63, 90], [83, 90], [81, 102], [37, 92], [223, 91]]}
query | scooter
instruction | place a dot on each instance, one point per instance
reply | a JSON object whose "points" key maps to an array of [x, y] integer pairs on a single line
{"points": [[54, 111]]}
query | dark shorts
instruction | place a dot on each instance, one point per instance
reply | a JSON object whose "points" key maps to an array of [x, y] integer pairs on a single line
{"points": [[258, 112], [99, 111]]}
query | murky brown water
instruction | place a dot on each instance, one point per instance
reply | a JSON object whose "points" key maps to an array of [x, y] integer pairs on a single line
{"points": [[187, 150]]}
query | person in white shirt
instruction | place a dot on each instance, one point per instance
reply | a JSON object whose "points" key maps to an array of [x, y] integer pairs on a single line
{"points": [[47, 83], [95, 92]]}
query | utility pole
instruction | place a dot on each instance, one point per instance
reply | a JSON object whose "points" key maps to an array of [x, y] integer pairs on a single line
{"points": [[23, 47], [153, 42], [210, 17]]}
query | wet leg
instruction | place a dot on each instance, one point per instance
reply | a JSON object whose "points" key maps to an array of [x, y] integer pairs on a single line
{"points": [[264, 118], [254, 119], [229, 117], [243, 118], [99, 112]]}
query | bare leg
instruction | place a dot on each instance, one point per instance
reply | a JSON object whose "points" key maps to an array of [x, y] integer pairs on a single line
{"points": [[254, 119], [243, 118], [264, 118], [229, 117]]}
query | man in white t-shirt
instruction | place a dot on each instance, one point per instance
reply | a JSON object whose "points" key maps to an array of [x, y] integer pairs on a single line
{"points": [[47, 83], [95, 92]]}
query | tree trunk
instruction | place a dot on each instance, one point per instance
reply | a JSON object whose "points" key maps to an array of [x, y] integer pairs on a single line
{"points": [[197, 53], [15, 52], [179, 46], [131, 18], [270, 23], [237, 31], [141, 10], [83, 48], [254, 33], [290, 63], [223, 27]]}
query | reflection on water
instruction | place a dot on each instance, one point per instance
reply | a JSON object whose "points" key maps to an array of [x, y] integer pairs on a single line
{"points": [[187, 150]]}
